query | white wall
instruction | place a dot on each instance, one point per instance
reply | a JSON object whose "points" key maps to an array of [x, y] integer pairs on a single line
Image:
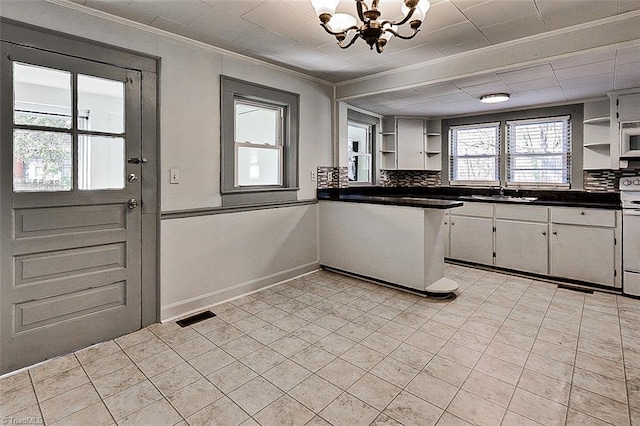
{"points": [[196, 266]]}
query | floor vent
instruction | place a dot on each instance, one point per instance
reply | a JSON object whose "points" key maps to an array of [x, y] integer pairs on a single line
{"points": [[195, 318], [580, 289]]}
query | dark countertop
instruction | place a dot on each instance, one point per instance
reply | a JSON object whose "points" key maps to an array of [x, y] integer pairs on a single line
{"points": [[421, 202], [412, 196]]}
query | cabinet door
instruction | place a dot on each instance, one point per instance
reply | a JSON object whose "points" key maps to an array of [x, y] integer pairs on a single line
{"points": [[472, 239], [410, 144], [583, 253], [445, 229], [522, 246], [629, 108]]}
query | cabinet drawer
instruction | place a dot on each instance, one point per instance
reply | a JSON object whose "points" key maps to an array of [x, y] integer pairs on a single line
{"points": [[577, 216], [522, 213], [474, 209]]}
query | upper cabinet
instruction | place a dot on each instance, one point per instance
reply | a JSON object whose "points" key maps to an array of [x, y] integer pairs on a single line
{"points": [[625, 127], [410, 136], [596, 136], [414, 144]]}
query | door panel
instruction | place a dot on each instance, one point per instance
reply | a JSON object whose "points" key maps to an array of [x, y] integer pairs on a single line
{"points": [[583, 253], [471, 239], [522, 246], [71, 256]]}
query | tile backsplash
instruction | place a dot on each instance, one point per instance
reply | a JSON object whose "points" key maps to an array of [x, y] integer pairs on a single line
{"points": [[410, 178], [332, 177], [605, 180]]}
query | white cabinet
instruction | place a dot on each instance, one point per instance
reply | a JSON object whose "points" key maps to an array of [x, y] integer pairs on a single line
{"points": [[563, 242], [583, 253], [471, 233], [629, 107], [521, 238], [584, 245], [410, 143], [445, 230], [625, 108], [596, 136], [522, 246]]}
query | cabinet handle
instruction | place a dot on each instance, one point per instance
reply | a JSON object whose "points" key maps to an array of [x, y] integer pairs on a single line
{"points": [[544, 232], [582, 213], [452, 223], [555, 232]]}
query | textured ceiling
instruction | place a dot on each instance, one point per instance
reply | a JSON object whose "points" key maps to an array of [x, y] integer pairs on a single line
{"points": [[287, 33]]}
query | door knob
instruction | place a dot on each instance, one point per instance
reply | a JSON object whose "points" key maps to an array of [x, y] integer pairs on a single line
{"points": [[132, 178], [133, 203]]}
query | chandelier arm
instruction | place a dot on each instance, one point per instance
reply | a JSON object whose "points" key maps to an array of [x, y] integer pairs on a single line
{"points": [[404, 21], [374, 4], [326, 28], [359, 6], [403, 37], [353, 40]]}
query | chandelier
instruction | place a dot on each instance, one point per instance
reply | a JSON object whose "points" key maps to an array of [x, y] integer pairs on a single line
{"points": [[374, 30]]}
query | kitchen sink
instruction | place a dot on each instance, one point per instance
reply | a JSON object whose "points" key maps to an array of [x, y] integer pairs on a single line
{"points": [[506, 198]]}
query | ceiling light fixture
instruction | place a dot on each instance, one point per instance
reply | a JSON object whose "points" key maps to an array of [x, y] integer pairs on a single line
{"points": [[495, 98], [374, 30]]}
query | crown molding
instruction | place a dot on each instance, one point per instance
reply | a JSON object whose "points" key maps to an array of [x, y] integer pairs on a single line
{"points": [[166, 34]]}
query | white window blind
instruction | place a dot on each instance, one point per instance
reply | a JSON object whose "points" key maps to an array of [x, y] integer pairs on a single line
{"points": [[539, 151], [474, 153]]}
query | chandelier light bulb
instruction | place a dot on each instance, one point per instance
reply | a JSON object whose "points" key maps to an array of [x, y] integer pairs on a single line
{"points": [[325, 6], [341, 22]]}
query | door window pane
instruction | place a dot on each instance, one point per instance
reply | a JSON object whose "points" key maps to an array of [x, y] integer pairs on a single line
{"points": [[258, 166], [104, 101], [42, 96], [41, 161], [101, 162]]}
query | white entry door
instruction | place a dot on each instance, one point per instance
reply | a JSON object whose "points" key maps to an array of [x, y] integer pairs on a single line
{"points": [[70, 255]]}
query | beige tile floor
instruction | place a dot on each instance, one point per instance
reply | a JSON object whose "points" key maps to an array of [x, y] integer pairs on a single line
{"points": [[328, 349]]}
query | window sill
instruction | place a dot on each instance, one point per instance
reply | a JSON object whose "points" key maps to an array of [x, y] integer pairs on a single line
{"points": [[258, 196]]}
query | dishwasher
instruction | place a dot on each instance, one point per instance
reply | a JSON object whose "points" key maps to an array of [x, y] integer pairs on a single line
{"points": [[630, 198]]}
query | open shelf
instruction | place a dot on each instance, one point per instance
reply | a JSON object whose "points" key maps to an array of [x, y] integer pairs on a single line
{"points": [[597, 120]]}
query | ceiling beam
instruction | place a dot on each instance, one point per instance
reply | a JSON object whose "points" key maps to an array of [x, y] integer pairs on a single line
{"points": [[604, 33]]}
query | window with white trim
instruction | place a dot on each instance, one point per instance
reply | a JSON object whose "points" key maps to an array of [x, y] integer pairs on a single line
{"points": [[539, 151], [259, 146], [474, 153], [258, 141]]}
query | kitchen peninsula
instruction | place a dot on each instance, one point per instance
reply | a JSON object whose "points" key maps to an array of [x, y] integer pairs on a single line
{"points": [[397, 241]]}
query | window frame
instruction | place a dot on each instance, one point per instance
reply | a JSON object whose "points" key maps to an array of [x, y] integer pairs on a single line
{"points": [[496, 156], [566, 153], [369, 130], [232, 89], [277, 146]]}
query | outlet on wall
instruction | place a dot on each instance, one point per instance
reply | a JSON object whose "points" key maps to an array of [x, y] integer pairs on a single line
{"points": [[313, 175], [174, 176]]}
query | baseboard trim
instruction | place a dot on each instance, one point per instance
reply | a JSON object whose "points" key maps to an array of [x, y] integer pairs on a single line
{"points": [[191, 306]]}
